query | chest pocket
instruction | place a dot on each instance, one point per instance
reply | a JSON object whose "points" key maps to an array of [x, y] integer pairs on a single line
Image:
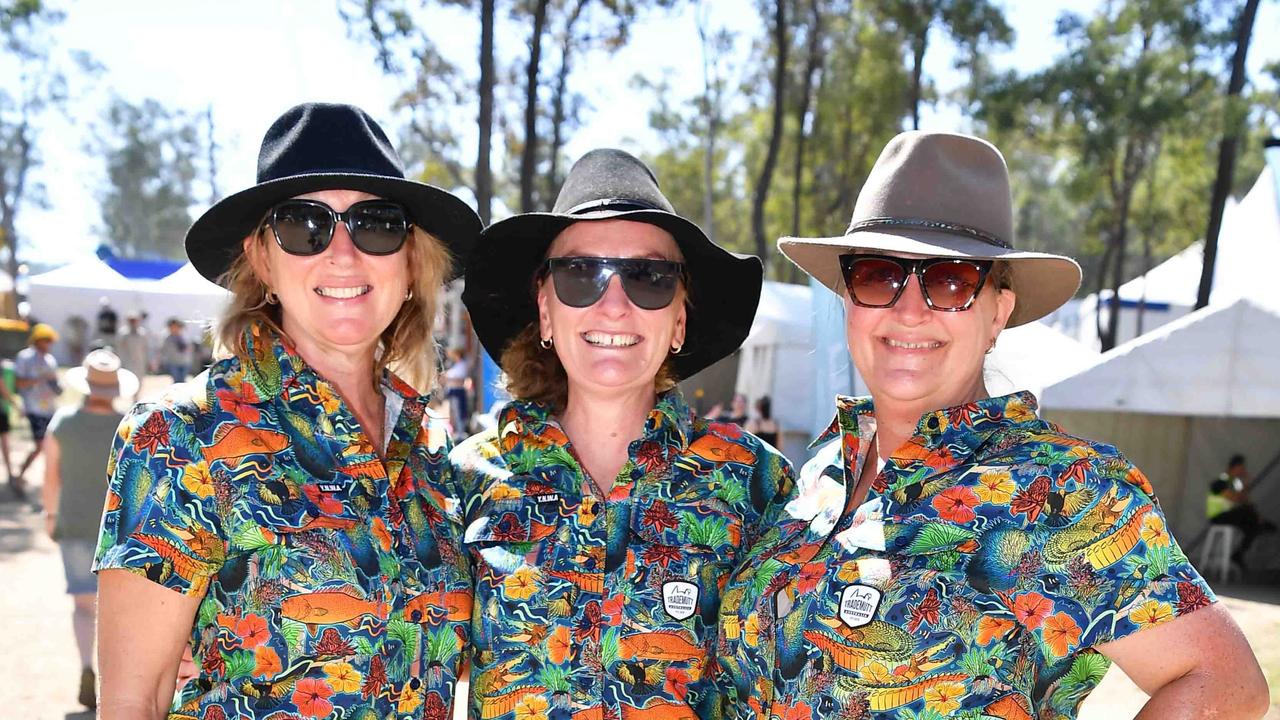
{"points": [[703, 527]]}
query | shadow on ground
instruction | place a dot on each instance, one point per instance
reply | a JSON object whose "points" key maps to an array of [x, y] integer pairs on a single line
{"points": [[17, 525]]}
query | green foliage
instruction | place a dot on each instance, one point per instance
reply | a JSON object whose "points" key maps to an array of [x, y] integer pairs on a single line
{"points": [[1086, 670], [609, 648], [442, 644], [240, 663], [294, 633], [709, 531], [938, 536]]}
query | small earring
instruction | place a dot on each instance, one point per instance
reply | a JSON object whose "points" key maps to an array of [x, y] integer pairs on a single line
{"points": [[546, 343], [992, 346], [675, 349], [408, 295], [271, 297]]}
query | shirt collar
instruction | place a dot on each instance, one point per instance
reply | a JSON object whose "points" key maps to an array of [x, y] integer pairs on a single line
{"points": [[670, 422], [943, 438], [280, 374]]}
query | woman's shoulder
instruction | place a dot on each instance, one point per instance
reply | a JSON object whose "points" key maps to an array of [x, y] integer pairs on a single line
{"points": [[1051, 450], [731, 441], [477, 452]]}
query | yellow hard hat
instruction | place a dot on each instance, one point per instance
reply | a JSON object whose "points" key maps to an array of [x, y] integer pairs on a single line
{"points": [[43, 331]]}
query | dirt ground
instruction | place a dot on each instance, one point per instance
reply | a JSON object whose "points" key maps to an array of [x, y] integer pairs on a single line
{"points": [[39, 667]]}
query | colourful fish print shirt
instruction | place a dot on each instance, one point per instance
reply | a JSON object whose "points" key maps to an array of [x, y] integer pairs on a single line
{"points": [[992, 553], [330, 579], [593, 607]]}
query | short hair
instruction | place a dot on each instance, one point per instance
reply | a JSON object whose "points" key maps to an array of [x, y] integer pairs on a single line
{"points": [[407, 344], [1235, 460]]}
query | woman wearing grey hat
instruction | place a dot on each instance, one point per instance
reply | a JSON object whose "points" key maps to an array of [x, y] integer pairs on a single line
{"points": [[602, 515], [949, 554], [283, 516]]}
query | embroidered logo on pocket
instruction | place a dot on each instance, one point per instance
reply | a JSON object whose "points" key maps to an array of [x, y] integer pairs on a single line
{"points": [[680, 599], [858, 605]]}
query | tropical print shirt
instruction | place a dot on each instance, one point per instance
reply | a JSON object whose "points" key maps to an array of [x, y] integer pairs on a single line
{"points": [[992, 553], [594, 607], [329, 577]]}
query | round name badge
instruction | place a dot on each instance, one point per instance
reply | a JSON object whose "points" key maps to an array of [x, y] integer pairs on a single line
{"points": [[858, 605]]}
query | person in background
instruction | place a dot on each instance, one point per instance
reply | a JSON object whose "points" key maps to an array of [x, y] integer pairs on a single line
{"points": [[763, 425], [1229, 504], [107, 324], [7, 390], [36, 376], [74, 485], [950, 554], [457, 379], [602, 516], [133, 346], [286, 515], [175, 352]]}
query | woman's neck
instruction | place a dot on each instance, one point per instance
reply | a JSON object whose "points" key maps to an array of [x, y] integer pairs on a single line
{"points": [[601, 426], [351, 373], [896, 422]]}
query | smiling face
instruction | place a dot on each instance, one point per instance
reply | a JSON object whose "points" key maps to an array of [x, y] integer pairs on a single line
{"points": [[922, 359], [611, 345], [341, 299]]}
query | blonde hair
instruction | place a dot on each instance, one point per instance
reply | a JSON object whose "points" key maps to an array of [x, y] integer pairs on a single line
{"points": [[407, 344], [537, 375]]}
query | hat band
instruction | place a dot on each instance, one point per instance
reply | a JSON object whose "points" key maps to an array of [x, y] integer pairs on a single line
{"points": [[618, 204], [919, 224]]}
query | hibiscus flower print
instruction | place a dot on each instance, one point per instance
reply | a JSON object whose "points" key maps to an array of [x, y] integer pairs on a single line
{"points": [[1031, 609], [956, 504], [523, 583], [1061, 633], [311, 697]]}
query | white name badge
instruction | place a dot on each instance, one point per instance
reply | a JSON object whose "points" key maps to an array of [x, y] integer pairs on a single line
{"points": [[867, 530], [679, 599], [858, 605]]}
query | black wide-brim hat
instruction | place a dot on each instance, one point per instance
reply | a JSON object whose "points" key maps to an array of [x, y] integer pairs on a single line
{"points": [[321, 146], [608, 184]]}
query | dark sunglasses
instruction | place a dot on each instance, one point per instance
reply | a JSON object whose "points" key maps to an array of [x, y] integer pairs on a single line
{"points": [[305, 227], [948, 284], [581, 281]]}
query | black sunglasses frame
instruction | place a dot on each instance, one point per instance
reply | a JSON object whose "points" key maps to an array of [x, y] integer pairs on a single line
{"points": [[346, 218], [917, 267], [627, 269]]}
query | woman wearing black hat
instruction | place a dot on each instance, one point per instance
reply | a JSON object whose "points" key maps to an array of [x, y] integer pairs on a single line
{"points": [[951, 554], [602, 516], [283, 515]]}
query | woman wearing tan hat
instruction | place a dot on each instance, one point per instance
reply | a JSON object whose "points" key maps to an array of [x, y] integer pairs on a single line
{"points": [[949, 554], [283, 515], [73, 487], [602, 515]]}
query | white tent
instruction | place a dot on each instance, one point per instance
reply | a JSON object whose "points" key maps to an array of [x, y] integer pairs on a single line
{"points": [[1180, 400], [186, 295], [68, 298], [1033, 356], [1248, 247], [776, 360]]}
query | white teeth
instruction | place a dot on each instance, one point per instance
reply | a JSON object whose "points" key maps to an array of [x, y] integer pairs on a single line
{"points": [[610, 339], [343, 293], [912, 346]]}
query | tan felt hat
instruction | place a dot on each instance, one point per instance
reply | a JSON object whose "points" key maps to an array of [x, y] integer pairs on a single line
{"points": [[941, 195]]}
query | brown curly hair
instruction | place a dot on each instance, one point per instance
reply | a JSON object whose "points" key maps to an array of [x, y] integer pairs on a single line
{"points": [[407, 344]]}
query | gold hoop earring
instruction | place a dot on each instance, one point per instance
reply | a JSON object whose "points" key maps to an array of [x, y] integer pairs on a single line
{"points": [[546, 343], [408, 295], [271, 297], [675, 349]]}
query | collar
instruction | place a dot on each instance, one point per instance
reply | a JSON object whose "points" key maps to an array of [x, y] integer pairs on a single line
{"points": [[670, 422], [943, 438], [275, 372]]}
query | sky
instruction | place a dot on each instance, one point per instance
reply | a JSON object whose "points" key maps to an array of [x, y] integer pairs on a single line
{"points": [[248, 60]]}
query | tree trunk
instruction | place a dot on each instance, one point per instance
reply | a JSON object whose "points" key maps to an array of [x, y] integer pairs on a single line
{"points": [[529, 156], [1226, 152], [775, 137], [10, 200], [484, 173], [918, 45], [802, 110], [557, 102]]}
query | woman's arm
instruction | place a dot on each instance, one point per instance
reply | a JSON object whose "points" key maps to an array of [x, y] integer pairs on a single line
{"points": [[50, 495], [1196, 666], [142, 629]]}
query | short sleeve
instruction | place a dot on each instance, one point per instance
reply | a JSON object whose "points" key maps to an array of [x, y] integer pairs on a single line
{"points": [[1124, 571], [161, 519]]}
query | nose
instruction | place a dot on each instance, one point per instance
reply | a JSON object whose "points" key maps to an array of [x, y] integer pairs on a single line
{"points": [[614, 302], [342, 249], [911, 309]]}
